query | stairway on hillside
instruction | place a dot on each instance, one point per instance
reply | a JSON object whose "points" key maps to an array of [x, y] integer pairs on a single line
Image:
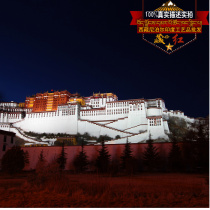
{"points": [[127, 134], [134, 127], [102, 125], [113, 121], [135, 134], [21, 134]]}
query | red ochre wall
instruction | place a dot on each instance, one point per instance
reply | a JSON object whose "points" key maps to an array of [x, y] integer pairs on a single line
{"points": [[115, 150]]}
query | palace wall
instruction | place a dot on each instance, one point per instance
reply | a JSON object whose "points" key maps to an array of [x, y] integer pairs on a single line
{"points": [[115, 150], [50, 124]]}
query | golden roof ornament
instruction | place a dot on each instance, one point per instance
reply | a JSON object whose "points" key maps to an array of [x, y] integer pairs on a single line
{"points": [[169, 6]]}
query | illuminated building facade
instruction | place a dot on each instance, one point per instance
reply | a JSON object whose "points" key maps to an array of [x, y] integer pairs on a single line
{"points": [[43, 102], [99, 114]]}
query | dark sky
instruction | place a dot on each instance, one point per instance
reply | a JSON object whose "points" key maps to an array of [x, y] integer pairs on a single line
{"points": [[89, 46]]}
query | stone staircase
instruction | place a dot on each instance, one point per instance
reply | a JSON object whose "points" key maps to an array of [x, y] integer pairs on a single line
{"points": [[124, 139], [116, 120], [126, 133], [115, 129], [18, 121], [134, 127], [19, 132]]}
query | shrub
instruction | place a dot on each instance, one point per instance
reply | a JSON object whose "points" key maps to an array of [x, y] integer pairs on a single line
{"points": [[14, 160], [45, 173]]}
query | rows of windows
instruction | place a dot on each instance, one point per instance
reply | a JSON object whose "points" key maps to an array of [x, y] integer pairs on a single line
{"points": [[66, 112], [155, 122], [14, 116], [4, 126], [118, 104], [5, 139], [117, 111], [136, 107], [9, 104], [46, 114], [93, 113], [4, 147], [14, 110], [95, 103], [103, 112]]}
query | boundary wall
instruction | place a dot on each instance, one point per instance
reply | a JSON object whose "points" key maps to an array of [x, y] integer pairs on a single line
{"points": [[115, 150]]}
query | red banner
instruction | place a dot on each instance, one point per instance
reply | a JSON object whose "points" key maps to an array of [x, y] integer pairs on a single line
{"points": [[135, 15], [201, 16]]}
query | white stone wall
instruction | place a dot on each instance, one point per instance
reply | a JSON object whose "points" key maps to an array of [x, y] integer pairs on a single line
{"points": [[154, 112], [165, 124], [135, 119], [156, 128], [4, 126], [178, 114], [121, 123], [138, 129], [49, 123], [8, 104], [97, 129]]}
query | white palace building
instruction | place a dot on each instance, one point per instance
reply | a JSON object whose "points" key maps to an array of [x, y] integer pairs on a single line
{"points": [[99, 114]]}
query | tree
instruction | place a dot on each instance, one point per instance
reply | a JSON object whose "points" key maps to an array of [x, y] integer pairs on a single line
{"points": [[103, 159], [150, 156], [82, 139], [14, 160], [41, 170], [126, 156], [178, 127], [41, 157], [26, 157], [175, 156], [41, 163], [81, 161], [188, 148], [62, 158], [202, 146], [196, 146], [103, 138]]}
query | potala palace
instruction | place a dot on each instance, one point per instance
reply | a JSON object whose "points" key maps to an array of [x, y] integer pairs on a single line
{"points": [[99, 114]]}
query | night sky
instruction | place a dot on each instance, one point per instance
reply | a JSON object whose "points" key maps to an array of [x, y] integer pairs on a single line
{"points": [[89, 46]]}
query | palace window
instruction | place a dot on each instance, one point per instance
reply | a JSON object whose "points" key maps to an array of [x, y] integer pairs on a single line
{"points": [[4, 147], [151, 122], [155, 122]]}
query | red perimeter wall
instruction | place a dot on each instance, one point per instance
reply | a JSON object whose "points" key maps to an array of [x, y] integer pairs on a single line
{"points": [[115, 150]]}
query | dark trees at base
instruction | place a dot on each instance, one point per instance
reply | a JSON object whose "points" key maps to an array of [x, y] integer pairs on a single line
{"points": [[62, 158], [103, 159], [81, 162], [175, 160], [151, 157], [14, 160], [128, 162]]}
